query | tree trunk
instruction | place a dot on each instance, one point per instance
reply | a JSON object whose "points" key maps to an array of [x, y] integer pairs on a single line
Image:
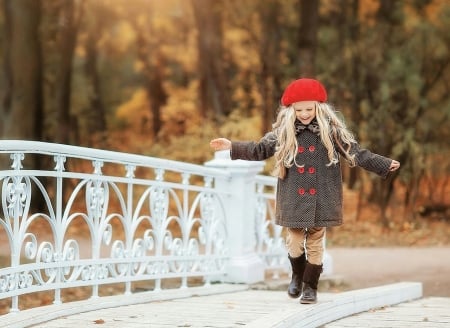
{"points": [[155, 90], [213, 88], [357, 92], [96, 111], [22, 98], [390, 17], [307, 42], [269, 80], [70, 19], [22, 102], [153, 65]]}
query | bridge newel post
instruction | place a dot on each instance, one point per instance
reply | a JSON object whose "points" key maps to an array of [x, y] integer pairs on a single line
{"points": [[239, 202]]}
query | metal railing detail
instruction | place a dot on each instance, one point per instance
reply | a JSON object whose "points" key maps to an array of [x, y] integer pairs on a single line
{"points": [[270, 239], [91, 217]]}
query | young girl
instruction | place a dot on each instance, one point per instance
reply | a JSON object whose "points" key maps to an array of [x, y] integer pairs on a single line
{"points": [[306, 140]]}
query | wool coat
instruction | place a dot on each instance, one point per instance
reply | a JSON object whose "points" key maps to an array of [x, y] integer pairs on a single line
{"points": [[310, 195]]}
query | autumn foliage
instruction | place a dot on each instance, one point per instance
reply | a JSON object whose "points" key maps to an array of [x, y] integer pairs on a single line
{"points": [[161, 78]]}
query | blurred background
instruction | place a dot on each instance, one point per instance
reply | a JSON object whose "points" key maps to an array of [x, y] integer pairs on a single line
{"points": [[161, 78]]}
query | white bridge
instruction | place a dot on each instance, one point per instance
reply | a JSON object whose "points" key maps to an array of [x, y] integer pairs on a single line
{"points": [[141, 219], [77, 218]]}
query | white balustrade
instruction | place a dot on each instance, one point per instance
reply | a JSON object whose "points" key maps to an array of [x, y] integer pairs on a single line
{"points": [[256, 243], [88, 217]]}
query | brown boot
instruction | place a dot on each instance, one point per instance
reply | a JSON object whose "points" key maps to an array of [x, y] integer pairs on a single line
{"points": [[310, 282], [298, 267]]}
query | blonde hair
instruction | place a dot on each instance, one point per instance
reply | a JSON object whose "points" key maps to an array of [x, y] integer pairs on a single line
{"points": [[332, 132]]}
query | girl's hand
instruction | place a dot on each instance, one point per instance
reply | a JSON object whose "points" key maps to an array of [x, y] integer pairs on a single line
{"points": [[220, 144], [394, 166]]}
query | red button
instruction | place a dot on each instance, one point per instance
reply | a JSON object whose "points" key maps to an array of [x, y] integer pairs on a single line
{"points": [[312, 191], [312, 148], [301, 149], [311, 170], [301, 191], [301, 170]]}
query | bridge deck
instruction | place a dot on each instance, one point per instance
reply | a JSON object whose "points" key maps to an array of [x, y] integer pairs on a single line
{"points": [[238, 305]]}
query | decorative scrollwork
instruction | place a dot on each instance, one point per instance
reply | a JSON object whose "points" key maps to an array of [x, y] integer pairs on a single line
{"points": [[159, 201], [212, 232], [16, 195], [14, 281], [270, 243], [30, 246], [149, 241], [71, 251], [157, 268], [97, 195], [94, 272], [107, 234], [59, 160], [17, 159], [25, 279], [118, 250]]}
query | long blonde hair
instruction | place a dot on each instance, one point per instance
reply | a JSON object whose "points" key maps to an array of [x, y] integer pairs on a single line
{"points": [[332, 132]]}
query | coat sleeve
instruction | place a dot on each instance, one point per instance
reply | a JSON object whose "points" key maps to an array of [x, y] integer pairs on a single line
{"points": [[254, 151], [370, 161]]}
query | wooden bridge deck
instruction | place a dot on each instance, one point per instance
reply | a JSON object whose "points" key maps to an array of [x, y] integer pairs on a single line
{"points": [[239, 305]]}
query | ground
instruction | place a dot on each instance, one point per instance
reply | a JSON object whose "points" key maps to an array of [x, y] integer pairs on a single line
{"points": [[366, 253], [362, 267]]}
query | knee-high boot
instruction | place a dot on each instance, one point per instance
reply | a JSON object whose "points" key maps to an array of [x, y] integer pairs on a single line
{"points": [[310, 282], [298, 268]]}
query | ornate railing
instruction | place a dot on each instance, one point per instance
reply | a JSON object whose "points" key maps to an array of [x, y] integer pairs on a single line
{"points": [[270, 242], [78, 217]]}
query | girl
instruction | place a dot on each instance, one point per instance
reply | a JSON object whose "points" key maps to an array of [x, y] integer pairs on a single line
{"points": [[306, 140]]}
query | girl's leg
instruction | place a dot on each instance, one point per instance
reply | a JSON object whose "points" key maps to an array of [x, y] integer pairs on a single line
{"points": [[314, 244], [295, 241], [295, 244], [313, 267]]}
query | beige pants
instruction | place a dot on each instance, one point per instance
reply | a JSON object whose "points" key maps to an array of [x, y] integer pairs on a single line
{"points": [[311, 239]]}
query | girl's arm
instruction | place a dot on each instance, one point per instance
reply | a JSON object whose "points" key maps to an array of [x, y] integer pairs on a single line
{"points": [[373, 162], [248, 150]]}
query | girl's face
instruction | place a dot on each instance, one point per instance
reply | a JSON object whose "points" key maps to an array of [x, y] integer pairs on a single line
{"points": [[305, 111]]}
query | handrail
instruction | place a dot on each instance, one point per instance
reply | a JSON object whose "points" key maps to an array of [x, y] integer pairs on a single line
{"points": [[39, 147]]}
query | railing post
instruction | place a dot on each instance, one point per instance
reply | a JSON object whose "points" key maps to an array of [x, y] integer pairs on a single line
{"points": [[245, 265]]}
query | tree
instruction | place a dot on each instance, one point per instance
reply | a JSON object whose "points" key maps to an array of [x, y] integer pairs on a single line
{"points": [[97, 127], [269, 45], [70, 17], [397, 86], [213, 88], [153, 61], [385, 65], [307, 41], [22, 101]]}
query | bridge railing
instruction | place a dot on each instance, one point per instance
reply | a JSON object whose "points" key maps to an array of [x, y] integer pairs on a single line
{"points": [[77, 217]]}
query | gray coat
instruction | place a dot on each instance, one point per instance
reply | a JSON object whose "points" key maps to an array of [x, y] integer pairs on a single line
{"points": [[309, 196]]}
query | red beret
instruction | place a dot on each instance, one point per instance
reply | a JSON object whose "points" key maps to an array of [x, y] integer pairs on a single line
{"points": [[304, 90]]}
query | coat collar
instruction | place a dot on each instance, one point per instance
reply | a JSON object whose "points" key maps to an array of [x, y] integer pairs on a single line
{"points": [[313, 127]]}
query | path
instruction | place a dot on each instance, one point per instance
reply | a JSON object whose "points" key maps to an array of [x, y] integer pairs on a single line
{"points": [[430, 312], [229, 306], [367, 267]]}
